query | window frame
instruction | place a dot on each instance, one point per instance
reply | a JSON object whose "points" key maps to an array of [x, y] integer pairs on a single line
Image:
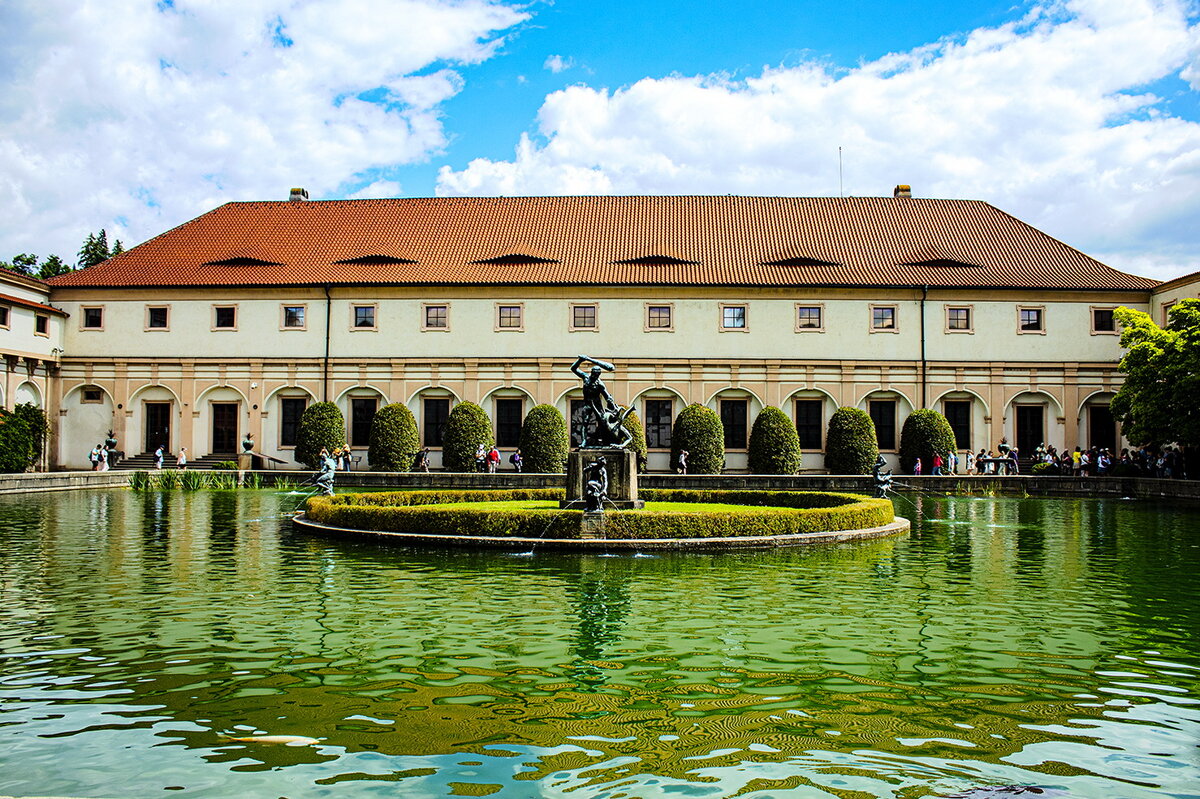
{"points": [[574, 328], [1092, 315], [165, 307], [646, 328], [83, 311], [6, 314], [307, 401], [426, 327], [820, 426], [745, 422], [354, 326], [820, 306], [969, 308], [496, 318], [43, 321], [895, 425], [283, 325], [895, 309], [513, 441], [1166, 313], [647, 424], [449, 400], [721, 327], [83, 395], [217, 328], [1041, 310]]}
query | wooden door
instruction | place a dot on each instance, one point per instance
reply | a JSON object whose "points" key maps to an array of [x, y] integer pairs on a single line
{"points": [[224, 428], [158, 426]]}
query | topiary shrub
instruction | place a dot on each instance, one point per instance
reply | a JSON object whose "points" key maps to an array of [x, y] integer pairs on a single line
{"points": [[774, 444], [638, 443], [321, 427], [925, 433], [394, 440], [545, 441], [850, 443], [39, 428], [16, 443], [698, 430], [467, 427]]}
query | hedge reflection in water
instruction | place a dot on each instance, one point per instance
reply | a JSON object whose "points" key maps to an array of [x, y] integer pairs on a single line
{"points": [[1003, 641]]}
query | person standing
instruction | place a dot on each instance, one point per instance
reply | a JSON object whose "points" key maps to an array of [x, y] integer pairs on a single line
{"points": [[421, 461], [515, 460], [94, 458], [937, 464], [158, 457], [917, 467], [681, 466], [181, 460], [970, 461], [480, 458], [493, 460]]}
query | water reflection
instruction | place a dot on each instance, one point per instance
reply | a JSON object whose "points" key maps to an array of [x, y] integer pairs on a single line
{"points": [[1004, 641]]}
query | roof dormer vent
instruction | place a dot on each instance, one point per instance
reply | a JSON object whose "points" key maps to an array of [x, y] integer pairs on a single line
{"points": [[298, 195]]}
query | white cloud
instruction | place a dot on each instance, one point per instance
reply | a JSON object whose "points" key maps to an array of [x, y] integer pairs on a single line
{"points": [[136, 117], [557, 63], [1047, 118]]}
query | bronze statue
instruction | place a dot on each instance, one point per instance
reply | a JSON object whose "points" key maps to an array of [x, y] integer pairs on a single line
{"points": [[883, 479], [595, 485], [600, 408]]}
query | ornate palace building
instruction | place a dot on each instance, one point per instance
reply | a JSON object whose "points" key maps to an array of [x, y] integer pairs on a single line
{"points": [[236, 320]]}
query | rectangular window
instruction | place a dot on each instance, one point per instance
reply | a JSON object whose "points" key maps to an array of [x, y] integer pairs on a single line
{"points": [[1166, 314], [509, 414], [733, 317], [883, 414], [1030, 320], [436, 412], [290, 409], [883, 317], [658, 317], [733, 419], [435, 317], [1103, 320], [224, 317], [958, 414], [293, 316], [958, 320], [580, 417], [362, 416], [364, 317], [91, 396], [809, 318], [3, 316], [156, 317], [93, 318], [809, 425], [509, 317], [583, 317], [658, 423], [41, 324]]}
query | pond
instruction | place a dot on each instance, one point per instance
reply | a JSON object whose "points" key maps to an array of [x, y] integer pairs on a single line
{"points": [[1003, 642]]}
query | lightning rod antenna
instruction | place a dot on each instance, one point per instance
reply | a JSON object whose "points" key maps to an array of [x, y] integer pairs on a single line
{"points": [[841, 185]]}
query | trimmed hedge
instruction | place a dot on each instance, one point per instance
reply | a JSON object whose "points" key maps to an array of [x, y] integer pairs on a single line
{"points": [[766, 513], [545, 441], [774, 444], [467, 427], [638, 442], [698, 430], [394, 440], [850, 443], [321, 426], [925, 433]]}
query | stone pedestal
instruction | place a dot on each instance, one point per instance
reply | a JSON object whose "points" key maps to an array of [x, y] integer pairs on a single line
{"points": [[245, 460], [622, 477]]}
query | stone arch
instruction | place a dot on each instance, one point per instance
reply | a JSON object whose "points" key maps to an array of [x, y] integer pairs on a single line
{"points": [[212, 433], [813, 440], [1025, 430], [904, 407], [272, 420], [358, 426], [979, 412], [134, 437], [27, 391], [506, 435], [1095, 423], [83, 425]]}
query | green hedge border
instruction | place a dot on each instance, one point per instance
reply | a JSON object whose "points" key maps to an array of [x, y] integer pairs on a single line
{"points": [[767, 513]]}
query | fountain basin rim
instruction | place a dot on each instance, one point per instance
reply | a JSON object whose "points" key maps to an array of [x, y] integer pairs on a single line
{"points": [[896, 527]]}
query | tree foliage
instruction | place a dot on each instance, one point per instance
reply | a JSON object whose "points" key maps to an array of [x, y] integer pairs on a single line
{"points": [[95, 249], [774, 444], [698, 430], [467, 427], [850, 443], [16, 442], [1158, 403], [322, 426], [638, 441], [544, 440], [394, 440], [925, 433]]}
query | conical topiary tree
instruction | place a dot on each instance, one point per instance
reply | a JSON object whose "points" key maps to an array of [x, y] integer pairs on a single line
{"points": [[545, 441], [925, 433], [322, 426], [394, 439], [698, 430], [774, 444], [638, 441], [850, 444], [467, 427]]}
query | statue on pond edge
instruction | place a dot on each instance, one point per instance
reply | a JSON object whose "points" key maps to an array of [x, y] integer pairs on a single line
{"points": [[883, 479], [595, 485], [600, 408]]}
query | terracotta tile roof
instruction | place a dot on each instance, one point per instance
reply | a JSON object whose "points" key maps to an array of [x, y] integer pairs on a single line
{"points": [[635, 240], [6, 299]]}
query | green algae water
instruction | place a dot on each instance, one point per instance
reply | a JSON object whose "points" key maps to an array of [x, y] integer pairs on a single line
{"points": [[1049, 643]]}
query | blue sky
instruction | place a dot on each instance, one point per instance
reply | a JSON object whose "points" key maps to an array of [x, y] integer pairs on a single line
{"points": [[1081, 116]]}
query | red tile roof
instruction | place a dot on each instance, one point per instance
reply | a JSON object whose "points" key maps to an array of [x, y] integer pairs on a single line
{"points": [[636, 240], [7, 299]]}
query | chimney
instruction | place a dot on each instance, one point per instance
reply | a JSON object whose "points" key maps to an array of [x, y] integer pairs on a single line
{"points": [[903, 191], [298, 195]]}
